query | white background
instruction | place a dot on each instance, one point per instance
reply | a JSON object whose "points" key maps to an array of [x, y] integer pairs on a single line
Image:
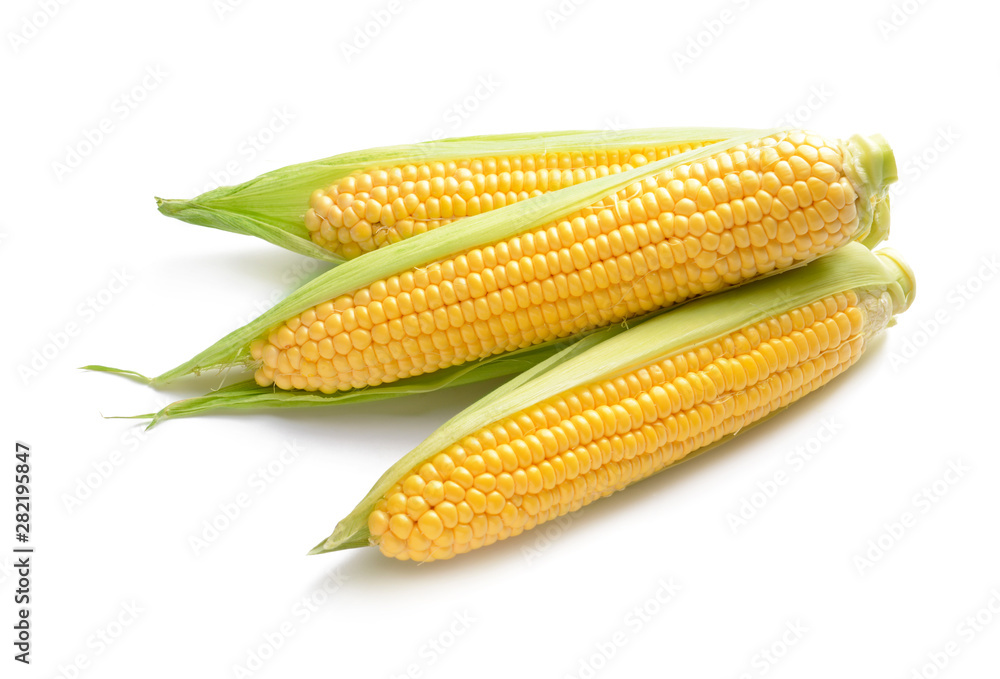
{"points": [[922, 74]]}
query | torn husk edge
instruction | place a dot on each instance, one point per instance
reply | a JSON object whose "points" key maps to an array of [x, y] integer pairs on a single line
{"points": [[668, 332], [870, 166]]}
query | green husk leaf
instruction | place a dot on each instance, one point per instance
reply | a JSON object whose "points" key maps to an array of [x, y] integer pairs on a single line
{"points": [[248, 224], [459, 236], [249, 395], [129, 374], [879, 230], [668, 332], [272, 206]]}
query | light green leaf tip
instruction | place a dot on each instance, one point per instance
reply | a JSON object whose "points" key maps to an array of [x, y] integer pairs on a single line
{"points": [[130, 374]]}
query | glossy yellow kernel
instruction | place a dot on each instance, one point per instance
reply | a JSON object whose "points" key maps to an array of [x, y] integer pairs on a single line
{"points": [[390, 545], [465, 513], [463, 477], [453, 492], [475, 464], [416, 543], [485, 482], [431, 525], [463, 534], [476, 500], [378, 523], [434, 492], [494, 502], [505, 485], [416, 506], [448, 513], [396, 503], [413, 485], [401, 525]]}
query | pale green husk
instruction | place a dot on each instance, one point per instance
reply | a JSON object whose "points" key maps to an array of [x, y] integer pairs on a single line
{"points": [[248, 395], [667, 333], [273, 205], [870, 165]]}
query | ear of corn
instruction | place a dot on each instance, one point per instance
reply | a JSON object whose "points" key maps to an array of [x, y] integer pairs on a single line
{"points": [[336, 208], [662, 233], [623, 405]]}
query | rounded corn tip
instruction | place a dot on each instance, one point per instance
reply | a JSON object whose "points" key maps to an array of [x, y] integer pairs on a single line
{"points": [[874, 161], [879, 229], [904, 278]]}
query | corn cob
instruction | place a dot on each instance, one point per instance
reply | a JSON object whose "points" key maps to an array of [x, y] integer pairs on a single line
{"points": [[680, 233], [626, 406], [378, 206], [565, 262], [337, 208]]}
